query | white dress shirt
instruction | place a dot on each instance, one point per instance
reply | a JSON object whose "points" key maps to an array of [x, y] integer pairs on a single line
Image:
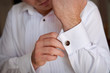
{"points": [[87, 52]]}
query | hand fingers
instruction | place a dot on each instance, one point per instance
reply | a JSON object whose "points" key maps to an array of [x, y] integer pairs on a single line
{"points": [[51, 42], [44, 58], [49, 58], [83, 4], [49, 35], [52, 51]]}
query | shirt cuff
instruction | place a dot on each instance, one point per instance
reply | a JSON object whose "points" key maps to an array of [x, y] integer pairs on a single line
{"points": [[25, 65], [74, 39]]}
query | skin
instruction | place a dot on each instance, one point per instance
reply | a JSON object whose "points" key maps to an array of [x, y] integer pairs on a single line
{"points": [[45, 49], [68, 12], [43, 9]]}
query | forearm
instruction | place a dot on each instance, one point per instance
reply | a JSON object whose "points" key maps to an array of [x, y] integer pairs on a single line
{"points": [[17, 65], [84, 55]]}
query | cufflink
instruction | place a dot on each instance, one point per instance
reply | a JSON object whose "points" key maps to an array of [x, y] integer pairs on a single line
{"points": [[67, 43]]}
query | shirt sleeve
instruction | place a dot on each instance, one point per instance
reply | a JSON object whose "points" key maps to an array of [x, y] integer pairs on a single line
{"points": [[10, 62], [86, 44]]}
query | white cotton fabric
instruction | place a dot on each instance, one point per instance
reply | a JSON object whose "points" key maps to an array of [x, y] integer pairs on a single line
{"points": [[88, 51]]}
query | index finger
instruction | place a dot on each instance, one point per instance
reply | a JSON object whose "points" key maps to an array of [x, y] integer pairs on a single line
{"points": [[49, 35]]}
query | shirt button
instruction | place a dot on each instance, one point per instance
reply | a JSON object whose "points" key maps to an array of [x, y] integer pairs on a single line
{"points": [[43, 19], [67, 43]]}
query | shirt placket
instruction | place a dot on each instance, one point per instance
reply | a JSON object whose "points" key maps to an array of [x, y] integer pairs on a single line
{"points": [[42, 25]]}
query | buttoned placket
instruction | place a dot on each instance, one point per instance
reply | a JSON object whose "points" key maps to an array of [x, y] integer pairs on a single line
{"points": [[42, 22]]}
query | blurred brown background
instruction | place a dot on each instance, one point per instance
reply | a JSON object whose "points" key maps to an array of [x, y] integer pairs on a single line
{"points": [[104, 7]]}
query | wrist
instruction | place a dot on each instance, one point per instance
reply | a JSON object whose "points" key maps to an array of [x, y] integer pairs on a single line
{"points": [[34, 66], [70, 23], [34, 63]]}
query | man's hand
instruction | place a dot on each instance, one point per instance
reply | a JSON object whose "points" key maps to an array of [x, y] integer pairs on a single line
{"points": [[68, 11], [45, 49]]}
